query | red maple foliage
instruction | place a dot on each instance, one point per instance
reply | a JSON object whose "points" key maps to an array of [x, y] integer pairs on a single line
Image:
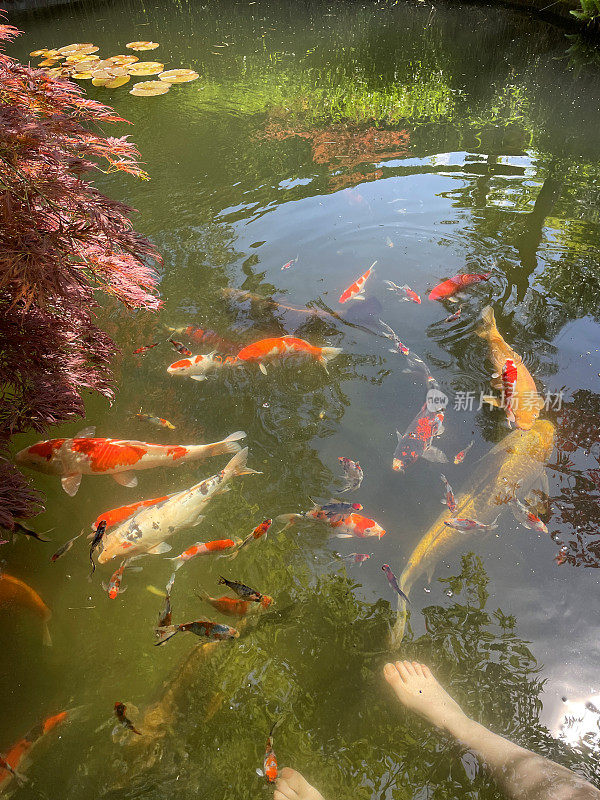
{"points": [[61, 241]]}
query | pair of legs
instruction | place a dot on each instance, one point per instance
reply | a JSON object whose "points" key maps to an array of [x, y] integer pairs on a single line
{"points": [[519, 773]]}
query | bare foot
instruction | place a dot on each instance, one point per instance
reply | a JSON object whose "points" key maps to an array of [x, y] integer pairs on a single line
{"points": [[292, 786], [417, 689]]}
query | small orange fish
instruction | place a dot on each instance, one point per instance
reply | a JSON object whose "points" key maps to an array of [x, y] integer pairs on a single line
{"points": [[230, 606], [145, 348], [201, 548], [460, 457], [258, 532], [356, 290]]}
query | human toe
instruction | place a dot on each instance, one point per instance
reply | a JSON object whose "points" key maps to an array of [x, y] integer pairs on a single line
{"points": [[284, 791], [295, 781]]}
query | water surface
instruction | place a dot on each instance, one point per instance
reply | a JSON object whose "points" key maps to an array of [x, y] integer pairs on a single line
{"points": [[431, 139]]}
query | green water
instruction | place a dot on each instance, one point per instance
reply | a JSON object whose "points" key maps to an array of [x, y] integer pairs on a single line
{"points": [[467, 138]]}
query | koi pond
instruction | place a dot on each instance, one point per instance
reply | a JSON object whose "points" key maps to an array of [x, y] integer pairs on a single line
{"points": [[318, 140]]}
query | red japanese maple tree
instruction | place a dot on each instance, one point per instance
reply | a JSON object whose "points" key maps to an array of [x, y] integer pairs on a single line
{"points": [[61, 241]]}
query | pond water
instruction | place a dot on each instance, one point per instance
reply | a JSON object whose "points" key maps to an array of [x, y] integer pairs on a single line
{"points": [[433, 140]]}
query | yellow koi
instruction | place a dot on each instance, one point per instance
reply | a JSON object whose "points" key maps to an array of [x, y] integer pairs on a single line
{"points": [[522, 458]]}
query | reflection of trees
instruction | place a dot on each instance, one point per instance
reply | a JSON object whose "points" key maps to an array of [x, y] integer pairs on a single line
{"points": [[577, 507], [315, 662]]}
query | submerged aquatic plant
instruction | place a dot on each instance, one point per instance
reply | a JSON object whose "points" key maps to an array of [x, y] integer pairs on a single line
{"points": [[61, 240]]}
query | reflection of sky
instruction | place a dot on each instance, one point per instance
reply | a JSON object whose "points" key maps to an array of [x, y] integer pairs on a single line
{"points": [[580, 720]]}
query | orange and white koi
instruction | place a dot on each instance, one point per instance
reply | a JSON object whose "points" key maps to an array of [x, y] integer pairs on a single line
{"points": [[114, 588], [213, 631], [84, 455], [417, 441], [356, 290], [230, 606], [197, 367], [454, 316], [13, 757], [289, 263], [526, 517], [460, 457], [346, 526], [270, 770], [158, 422], [404, 292], [449, 500], [257, 534], [200, 549], [267, 349], [146, 530], [117, 515]]}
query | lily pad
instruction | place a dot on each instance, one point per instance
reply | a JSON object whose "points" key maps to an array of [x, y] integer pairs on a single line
{"points": [[146, 68], [178, 75], [142, 45], [120, 80], [150, 88]]}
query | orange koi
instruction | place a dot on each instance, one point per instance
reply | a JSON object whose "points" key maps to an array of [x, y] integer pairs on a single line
{"points": [[145, 348], [230, 606], [285, 345], [356, 290], [258, 532], [16, 754]]}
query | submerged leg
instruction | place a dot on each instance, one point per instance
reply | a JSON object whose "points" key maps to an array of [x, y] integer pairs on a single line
{"points": [[292, 786], [521, 774]]}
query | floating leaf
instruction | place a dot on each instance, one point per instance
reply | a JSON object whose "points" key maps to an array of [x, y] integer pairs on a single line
{"points": [[42, 52], [123, 60], [100, 81], [150, 88], [120, 80], [69, 49], [48, 62], [142, 45], [102, 74], [146, 68], [81, 76], [178, 75]]}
